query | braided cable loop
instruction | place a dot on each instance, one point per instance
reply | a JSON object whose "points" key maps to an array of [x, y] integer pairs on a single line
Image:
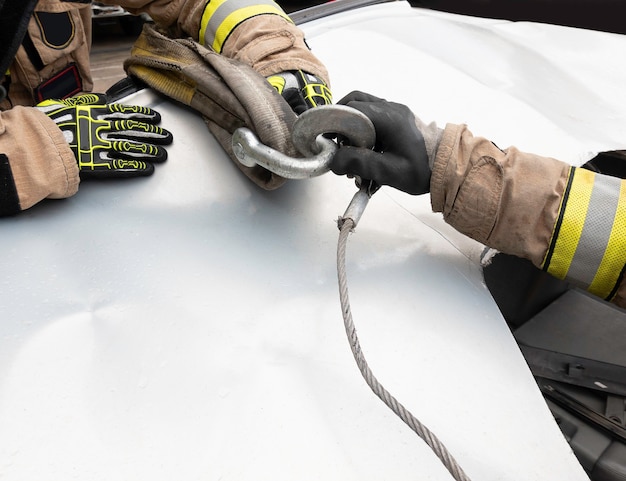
{"points": [[347, 226]]}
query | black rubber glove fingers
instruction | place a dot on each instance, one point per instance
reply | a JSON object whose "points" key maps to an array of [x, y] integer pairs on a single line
{"points": [[399, 158]]}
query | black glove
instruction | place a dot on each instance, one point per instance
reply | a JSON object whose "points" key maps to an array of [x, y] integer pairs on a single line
{"points": [[301, 90], [400, 157], [109, 140]]}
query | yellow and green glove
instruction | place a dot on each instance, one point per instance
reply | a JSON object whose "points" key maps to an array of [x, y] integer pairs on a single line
{"points": [[301, 90], [109, 140]]}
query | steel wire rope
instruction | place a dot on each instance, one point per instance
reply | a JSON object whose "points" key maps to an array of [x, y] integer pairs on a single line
{"points": [[346, 225]]}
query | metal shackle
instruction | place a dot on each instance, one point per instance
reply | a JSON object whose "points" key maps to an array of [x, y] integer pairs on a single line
{"points": [[308, 137]]}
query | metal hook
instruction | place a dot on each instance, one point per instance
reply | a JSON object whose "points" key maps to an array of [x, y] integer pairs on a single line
{"points": [[250, 151], [308, 138]]}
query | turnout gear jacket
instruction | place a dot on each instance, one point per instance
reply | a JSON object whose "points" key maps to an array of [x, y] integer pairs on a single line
{"points": [[53, 58], [569, 221], [36, 161], [257, 33]]}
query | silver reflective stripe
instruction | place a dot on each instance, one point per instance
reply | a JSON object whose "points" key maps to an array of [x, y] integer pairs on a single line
{"points": [[597, 228], [215, 17]]}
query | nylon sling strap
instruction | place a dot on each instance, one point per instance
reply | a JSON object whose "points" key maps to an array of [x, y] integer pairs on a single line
{"points": [[228, 93]]}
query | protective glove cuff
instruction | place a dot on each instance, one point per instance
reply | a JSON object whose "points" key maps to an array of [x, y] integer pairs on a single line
{"points": [[432, 138]]}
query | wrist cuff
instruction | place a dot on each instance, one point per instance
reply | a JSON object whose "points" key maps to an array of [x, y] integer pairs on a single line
{"points": [[9, 200]]}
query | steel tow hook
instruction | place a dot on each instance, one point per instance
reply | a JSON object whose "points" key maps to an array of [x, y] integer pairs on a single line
{"points": [[308, 137]]}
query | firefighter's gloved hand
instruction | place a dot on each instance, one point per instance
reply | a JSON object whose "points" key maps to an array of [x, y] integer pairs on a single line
{"points": [[301, 90], [109, 140], [405, 147]]}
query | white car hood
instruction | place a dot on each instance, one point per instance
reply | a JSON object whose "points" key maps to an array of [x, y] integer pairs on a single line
{"points": [[546, 89], [187, 325]]}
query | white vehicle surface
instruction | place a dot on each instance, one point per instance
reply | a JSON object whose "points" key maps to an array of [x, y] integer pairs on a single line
{"points": [[187, 325]]}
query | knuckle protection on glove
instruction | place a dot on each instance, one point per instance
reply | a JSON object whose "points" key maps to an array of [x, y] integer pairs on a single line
{"points": [[119, 168], [137, 150], [132, 112], [109, 140], [139, 131]]}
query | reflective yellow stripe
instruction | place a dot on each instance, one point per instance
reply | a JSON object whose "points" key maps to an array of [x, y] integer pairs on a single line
{"points": [[216, 27], [588, 245], [239, 16], [209, 9], [573, 221], [614, 257]]}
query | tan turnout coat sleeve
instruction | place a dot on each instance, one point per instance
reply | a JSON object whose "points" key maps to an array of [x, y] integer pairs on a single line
{"points": [[38, 162], [41, 162], [507, 200], [268, 43]]}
